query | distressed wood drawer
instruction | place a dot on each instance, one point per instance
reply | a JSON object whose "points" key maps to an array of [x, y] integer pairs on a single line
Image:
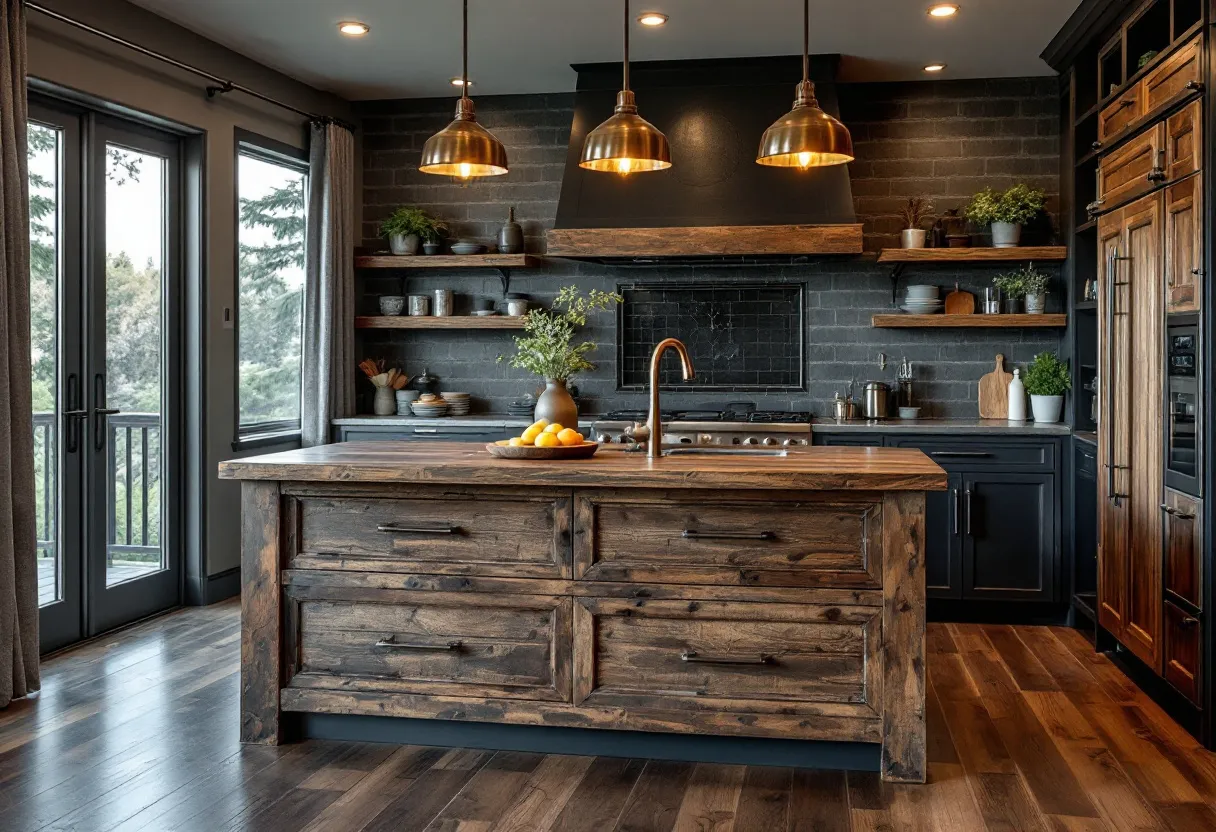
{"points": [[1183, 517], [481, 645], [738, 540], [1177, 76], [1183, 649], [1125, 173], [727, 656], [492, 532], [1119, 114], [1184, 142]]}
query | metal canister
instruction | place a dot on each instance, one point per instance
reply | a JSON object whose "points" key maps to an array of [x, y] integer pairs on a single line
{"points": [[443, 303], [843, 408], [420, 305], [876, 400]]}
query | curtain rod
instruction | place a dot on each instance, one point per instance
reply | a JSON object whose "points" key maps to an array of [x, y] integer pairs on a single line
{"points": [[221, 85]]}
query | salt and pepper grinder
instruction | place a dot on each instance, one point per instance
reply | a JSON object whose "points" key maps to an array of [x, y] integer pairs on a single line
{"points": [[1017, 398]]}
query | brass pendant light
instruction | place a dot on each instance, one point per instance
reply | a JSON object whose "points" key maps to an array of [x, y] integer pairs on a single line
{"points": [[464, 148], [626, 142], [806, 136]]}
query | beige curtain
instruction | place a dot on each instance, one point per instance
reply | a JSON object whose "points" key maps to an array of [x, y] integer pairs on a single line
{"points": [[328, 385], [18, 564]]}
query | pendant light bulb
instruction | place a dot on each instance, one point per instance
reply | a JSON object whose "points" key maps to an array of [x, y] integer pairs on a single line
{"points": [[805, 137], [464, 148], [626, 143]]}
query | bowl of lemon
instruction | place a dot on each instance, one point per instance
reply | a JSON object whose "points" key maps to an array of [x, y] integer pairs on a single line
{"points": [[544, 440]]}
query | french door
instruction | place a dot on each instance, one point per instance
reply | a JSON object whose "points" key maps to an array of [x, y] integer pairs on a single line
{"points": [[105, 337]]}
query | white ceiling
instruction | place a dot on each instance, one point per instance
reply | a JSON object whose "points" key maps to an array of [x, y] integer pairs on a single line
{"points": [[521, 46]]}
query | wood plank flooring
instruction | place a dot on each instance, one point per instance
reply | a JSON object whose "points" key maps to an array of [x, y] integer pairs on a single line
{"points": [[1029, 731]]}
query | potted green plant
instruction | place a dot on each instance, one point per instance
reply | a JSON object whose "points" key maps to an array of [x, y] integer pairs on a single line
{"points": [[406, 228], [1006, 212], [1012, 286], [1027, 285], [1047, 380], [548, 349], [914, 215]]}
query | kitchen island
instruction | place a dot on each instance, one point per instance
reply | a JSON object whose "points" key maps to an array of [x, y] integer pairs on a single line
{"points": [[779, 594]]}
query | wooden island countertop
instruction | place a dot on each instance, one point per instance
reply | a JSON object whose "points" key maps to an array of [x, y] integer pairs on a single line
{"points": [[765, 597], [464, 463]]}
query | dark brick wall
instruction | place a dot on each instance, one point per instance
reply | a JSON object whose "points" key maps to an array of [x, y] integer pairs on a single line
{"points": [[942, 139]]}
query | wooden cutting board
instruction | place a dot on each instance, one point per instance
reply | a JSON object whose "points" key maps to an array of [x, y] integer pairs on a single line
{"points": [[994, 392], [960, 303]]}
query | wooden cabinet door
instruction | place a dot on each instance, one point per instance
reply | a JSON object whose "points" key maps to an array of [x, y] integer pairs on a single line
{"points": [[1183, 547], [1142, 396], [943, 540], [1121, 113], [1183, 651], [1176, 77], [1184, 142], [1009, 549], [1184, 245], [1113, 359], [1132, 169]]}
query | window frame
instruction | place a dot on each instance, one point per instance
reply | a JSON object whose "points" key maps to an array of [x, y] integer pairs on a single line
{"points": [[272, 151]]}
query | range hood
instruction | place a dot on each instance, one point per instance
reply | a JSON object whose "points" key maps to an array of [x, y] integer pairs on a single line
{"points": [[715, 202]]}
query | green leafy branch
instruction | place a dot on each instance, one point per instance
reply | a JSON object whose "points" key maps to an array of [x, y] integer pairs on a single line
{"points": [[548, 349]]}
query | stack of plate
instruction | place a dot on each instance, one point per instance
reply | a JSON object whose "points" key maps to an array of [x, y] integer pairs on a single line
{"points": [[458, 403], [431, 409], [522, 407], [922, 300]]}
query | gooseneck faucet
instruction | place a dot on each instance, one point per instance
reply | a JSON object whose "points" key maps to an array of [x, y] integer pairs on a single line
{"points": [[654, 442]]}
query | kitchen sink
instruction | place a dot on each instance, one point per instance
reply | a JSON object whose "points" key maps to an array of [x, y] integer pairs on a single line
{"points": [[703, 451]]}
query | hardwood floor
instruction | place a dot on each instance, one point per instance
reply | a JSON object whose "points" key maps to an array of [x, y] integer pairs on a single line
{"points": [[1029, 731]]}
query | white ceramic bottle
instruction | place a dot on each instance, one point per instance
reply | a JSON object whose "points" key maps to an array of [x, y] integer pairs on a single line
{"points": [[1017, 398]]}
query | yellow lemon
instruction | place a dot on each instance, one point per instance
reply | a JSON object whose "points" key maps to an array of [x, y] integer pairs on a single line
{"points": [[516, 442], [547, 440], [570, 436], [529, 435], [503, 442], [539, 424], [554, 428]]}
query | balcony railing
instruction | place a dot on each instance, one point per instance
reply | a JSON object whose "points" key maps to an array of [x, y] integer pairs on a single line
{"points": [[133, 475]]}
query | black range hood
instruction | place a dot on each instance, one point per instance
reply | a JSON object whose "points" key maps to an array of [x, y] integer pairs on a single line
{"points": [[715, 202]]}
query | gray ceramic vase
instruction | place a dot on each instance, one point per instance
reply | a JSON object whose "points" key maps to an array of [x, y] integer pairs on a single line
{"points": [[511, 236], [557, 405]]}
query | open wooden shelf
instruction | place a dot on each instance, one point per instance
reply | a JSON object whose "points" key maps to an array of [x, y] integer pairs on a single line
{"points": [[432, 322], [446, 261], [972, 255], [903, 321]]}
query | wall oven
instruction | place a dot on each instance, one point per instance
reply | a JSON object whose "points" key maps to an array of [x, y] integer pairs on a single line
{"points": [[1183, 425]]}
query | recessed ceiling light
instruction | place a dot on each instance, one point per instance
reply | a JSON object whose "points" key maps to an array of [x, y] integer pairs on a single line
{"points": [[652, 18], [354, 28], [934, 67], [459, 82], [943, 10]]}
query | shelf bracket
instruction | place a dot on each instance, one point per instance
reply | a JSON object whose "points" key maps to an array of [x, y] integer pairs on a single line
{"points": [[896, 272], [504, 274], [226, 88]]}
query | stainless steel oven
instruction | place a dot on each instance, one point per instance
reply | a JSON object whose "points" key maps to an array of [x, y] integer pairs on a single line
{"points": [[1183, 438]]}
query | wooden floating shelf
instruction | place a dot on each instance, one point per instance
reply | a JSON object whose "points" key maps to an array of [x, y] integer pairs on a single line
{"points": [[705, 241], [966, 321], [446, 261], [972, 255], [432, 322]]}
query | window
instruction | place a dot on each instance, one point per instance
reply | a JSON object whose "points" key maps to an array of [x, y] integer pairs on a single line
{"points": [[271, 223]]}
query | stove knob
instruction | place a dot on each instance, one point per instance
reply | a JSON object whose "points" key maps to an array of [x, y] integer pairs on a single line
{"points": [[705, 439], [603, 437], [790, 442], [735, 440], [751, 440], [768, 440]]}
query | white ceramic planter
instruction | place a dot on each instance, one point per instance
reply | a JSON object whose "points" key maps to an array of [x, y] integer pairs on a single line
{"points": [[1046, 409], [1036, 304], [913, 238], [404, 244], [1006, 234]]}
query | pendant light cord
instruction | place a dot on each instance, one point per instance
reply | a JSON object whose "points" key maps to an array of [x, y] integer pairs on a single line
{"points": [[626, 73], [806, 40], [464, 87]]}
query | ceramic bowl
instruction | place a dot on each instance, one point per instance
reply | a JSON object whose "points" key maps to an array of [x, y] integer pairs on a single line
{"points": [[392, 304], [467, 248], [923, 292], [909, 413]]}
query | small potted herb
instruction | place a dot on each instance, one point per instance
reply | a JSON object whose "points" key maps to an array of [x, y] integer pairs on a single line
{"points": [[1047, 380], [1029, 284], [406, 228], [1006, 212], [1012, 287], [914, 215], [549, 351]]}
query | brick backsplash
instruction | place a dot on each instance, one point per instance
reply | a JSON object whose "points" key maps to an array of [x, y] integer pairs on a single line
{"points": [[944, 140]]}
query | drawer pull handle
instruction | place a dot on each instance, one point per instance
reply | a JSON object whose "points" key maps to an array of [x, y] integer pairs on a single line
{"points": [[1193, 85], [1189, 621], [961, 454], [392, 528], [1175, 513], [693, 534], [693, 657], [389, 641]]}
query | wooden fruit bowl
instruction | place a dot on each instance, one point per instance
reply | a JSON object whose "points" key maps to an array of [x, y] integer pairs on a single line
{"points": [[583, 451]]}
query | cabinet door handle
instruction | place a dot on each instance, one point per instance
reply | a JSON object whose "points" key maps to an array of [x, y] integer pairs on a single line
{"points": [[393, 528], [1177, 514], [693, 657], [1127, 102], [390, 642], [957, 508], [426, 430], [1195, 86], [1188, 621], [694, 534], [967, 508], [961, 454]]}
